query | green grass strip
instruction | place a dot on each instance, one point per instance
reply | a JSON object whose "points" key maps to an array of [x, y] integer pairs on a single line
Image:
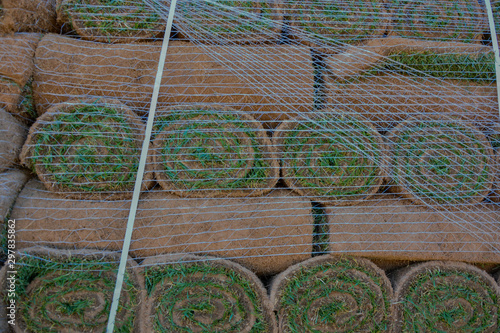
{"points": [[71, 294], [186, 293]]}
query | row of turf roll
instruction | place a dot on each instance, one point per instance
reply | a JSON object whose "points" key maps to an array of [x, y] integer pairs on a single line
{"points": [[316, 24], [72, 290], [90, 149]]}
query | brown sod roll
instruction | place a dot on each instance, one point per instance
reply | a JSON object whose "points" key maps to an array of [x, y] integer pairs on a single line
{"points": [[232, 21], [212, 151], [71, 291], [189, 293], [440, 161], [87, 149], [448, 20], [388, 99], [12, 134], [265, 234], [446, 297], [16, 69], [391, 228], [334, 158], [333, 294], [328, 26], [27, 16], [119, 21], [258, 80], [11, 183]]}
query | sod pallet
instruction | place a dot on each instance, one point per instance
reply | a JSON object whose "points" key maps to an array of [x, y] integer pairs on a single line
{"points": [[201, 293], [16, 69], [12, 134], [62, 290], [391, 228], [447, 20], [333, 294], [11, 183], [259, 80], [265, 234], [28, 16], [445, 296]]}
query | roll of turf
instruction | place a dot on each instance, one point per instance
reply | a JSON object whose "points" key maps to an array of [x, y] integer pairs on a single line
{"points": [[87, 149], [187, 293], [440, 161], [445, 297], [333, 294], [28, 16], [213, 151], [335, 158]]}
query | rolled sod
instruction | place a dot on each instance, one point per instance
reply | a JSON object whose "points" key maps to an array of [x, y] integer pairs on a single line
{"points": [[12, 134], [265, 234], [440, 161], [333, 294], [189, 293], [335, 157], [87, 149], [446, 297], [11, 183], [327, 27], [449, 20], [391, 98], [212, 151], [115, 21], [258, 80], [391, 228], [28, 16], [17, 52], [58, 290], [230, 21]]}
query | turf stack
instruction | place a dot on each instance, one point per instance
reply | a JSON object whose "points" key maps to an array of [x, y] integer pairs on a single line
{"points": [[333, 294], [448, 20], [327, 27], [446, 297], [440, 161], [203, 294], [16, 69], [118, 21], [334, 158], [229, 21], [258, 80], [27, 16], [72, 291], [87, 149], [212, 151], [12, 134]]}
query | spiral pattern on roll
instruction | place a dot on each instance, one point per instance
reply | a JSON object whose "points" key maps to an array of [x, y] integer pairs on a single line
{"points": [[113, 21], [440, 160], [76, 300], [337, 158], [87, 149], [212, 152], [205, 297], [329, 294], [447, 298], [323, 24], [454, 21]]}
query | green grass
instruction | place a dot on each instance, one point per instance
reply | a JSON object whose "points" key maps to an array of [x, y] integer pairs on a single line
{"points": [[473, 68], [61, 300], [90, 148], [336, 156], [451, 145], [428, 304], [207, 284], [197, 140], [27, 104], [308, 285], [114, 17]]}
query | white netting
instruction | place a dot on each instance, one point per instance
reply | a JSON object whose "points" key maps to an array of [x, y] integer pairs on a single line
{"points": [[284, 130]]}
